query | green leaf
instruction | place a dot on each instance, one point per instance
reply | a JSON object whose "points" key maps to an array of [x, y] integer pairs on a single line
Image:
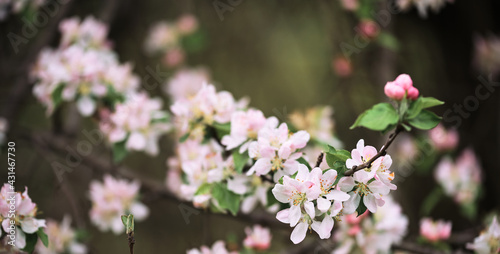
{"points": [[431, 201], [119, 151], [43, 237], [194, 42], [57, 95], [203, 189], [333, 156], [31, 240], [226, 199], [124, 220], [361, 208], [469, 210], [387, 40], [183, 138], [421, 103], [378, 118], [301, 160], [240, 160], [426, 120], [222, 129]]}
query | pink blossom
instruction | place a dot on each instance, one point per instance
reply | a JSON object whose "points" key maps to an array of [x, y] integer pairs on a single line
{"points": [[258, 238], [368, 28], [342, 66], [187, 24], [62, 239], [443, 139], [402, 85], [435, 231], [174, 57], [350, 5], [245, 126]]}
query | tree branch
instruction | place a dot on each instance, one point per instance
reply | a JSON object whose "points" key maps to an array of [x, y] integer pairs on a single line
{"points": [[382, 152]]}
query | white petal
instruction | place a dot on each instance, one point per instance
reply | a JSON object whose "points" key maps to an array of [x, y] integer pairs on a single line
{"points": [[283, 215], [369, 201], [86, 105], [337, 195], [299, 233], [309, 207], [20, 239], [295, 215], [139, 210], [324, 229], [323, 204], [352, 204]]}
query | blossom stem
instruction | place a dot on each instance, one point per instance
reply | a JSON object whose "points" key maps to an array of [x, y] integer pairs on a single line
{"points": [[382, 152]]}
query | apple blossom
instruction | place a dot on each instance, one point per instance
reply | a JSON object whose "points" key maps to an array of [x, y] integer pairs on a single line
{"points": [[245, 126], [25, 211], [258, 238], [300, 193], [371, 234], [187, 24], [487, 54], [88, 33], [435, 230], [399, 87], [423, 5], [62, 239], [276, 151], [488, 241], [113, 198], [443, 139], [460, 180], [186, 83], [217, 248], [350, 5], [138, 123], [342, 66], [368, 28]]}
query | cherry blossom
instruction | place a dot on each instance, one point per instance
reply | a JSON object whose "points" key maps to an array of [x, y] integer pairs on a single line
{"points": [[25, 212], [62, 239], [423, 5], [435, 230], [186, 83], [113, 198], [488, 241]]}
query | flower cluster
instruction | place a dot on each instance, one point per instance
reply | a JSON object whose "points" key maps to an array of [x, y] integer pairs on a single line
{"points": [[423, 5], [258, 238], [400, 88], [442, 139], [316, 197], [460, 180], [24, 209], [165, 37], [276, 150], [488, 241], [313, 200], [372, 234], [434, 231], [62, 239], [206, 107], [113, 198], [136, 123], [17, 6], [82, 69]]}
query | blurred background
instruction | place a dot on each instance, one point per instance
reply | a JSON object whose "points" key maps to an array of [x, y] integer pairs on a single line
{"points": [[282, 55]]}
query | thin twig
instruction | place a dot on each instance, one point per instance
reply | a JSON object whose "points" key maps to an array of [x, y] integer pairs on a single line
{"points": [[131, 241], [382, 152], [319, 160]]}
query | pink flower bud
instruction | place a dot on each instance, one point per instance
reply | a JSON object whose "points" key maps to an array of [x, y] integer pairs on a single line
{"points": [[369, 29], [342, 66], [394, 91], [404, 81], [413, 93]]}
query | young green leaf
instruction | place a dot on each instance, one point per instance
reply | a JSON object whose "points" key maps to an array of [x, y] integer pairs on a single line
{"points": [[378, 118], [57, 95], [119, 151], [361, 208], [226, 199], [240, 159], [183, 138], [426, 120], [335, 156], [421, 103], [301, 160], [43, 237]]}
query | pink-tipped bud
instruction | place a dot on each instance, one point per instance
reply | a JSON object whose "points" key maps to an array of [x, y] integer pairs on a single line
{"points": [[394, 91], [404, 81], [413, 93]]}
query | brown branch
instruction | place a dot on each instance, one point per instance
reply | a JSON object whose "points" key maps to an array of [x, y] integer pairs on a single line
{"points": [[131, 241], [382, 152], [319, 160]]}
